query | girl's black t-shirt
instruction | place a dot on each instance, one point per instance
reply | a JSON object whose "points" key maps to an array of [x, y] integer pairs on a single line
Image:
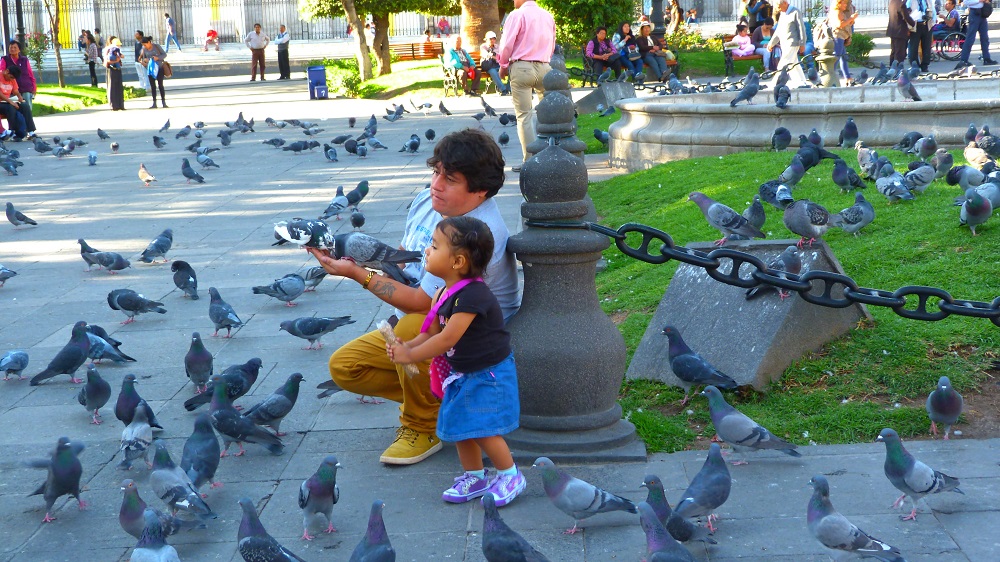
{"points": [[486, 342]]}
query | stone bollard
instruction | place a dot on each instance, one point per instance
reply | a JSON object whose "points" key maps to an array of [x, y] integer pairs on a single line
{"points": [[826, 62], [553, 126], [570, 356]]}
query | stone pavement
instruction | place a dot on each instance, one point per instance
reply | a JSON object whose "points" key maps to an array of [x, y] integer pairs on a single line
{"points": [[224, 229]]}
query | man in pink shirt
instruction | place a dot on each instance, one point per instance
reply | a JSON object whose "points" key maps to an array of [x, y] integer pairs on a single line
{"points": [[529, 37]]}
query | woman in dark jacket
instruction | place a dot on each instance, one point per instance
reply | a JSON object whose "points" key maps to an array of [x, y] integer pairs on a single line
{"points": [[91, 55], [604, 55], [113, 64]]}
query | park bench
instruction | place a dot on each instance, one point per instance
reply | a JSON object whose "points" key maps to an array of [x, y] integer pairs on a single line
{"points": [[730, 58], [416, 51]]}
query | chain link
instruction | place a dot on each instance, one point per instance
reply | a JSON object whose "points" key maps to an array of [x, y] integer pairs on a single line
{"points": [[823, 288]]}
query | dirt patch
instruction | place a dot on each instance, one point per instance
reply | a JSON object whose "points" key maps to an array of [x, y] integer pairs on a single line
{"points": [[982, 409]]}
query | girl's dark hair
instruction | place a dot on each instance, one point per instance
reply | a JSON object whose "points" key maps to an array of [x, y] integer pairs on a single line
{"points": [[767, 21], [740, 28], [470, 237], [621, 29], [147, 39], [15, 71], [474, 154]]}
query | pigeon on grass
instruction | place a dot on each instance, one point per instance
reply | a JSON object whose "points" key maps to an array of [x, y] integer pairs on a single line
{"points": [[944, 406], [724, 218], [690, 367]]}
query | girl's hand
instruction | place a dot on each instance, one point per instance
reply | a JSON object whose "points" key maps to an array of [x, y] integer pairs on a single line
{"points": [[399, 353]]}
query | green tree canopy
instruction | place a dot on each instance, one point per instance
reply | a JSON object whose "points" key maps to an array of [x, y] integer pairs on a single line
{"points": [[576, 20], [333, 8]]}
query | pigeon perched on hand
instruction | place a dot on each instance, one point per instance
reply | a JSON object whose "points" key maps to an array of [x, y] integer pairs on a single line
{"points": [[254, 541], [691, 368], [133, 304], [679, 528], [136, 438], [318, 494], [64, 475], [172, 485], [286, 289], [500, 542], [69, 358], [17, 218], [709, 489], [271, 410], [837, 533], [221, 314], [660, 545], [944, 406], [201, 454], [739, 431], [312, 328], [575, 497], [910, 476], [13, 363], [129, 401], [724, 218], [158, 247]]}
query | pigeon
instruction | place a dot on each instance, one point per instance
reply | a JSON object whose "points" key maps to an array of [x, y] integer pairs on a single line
{"points": [[975, 210], [355, 195], [165, 126], [271, 410], [133, 304], [221, 314], [977, 156], [185, 278], [183, 132], [944, 405], [158, 247], [17, 218], [102, 135], [908, 140], [337, 205], [811, 154], [235, 428], [13, 363], [237, 378], [226, 139], [5, 274], [130, 514], [136, 438], [679, 528], [989, 190], [755, 213], [158, 142], [350, 145], [505, 119], [69, 358], [152, 546], [362, 151], [838, 534], [10, 166], [910, 476], [774, 193], [312, 328], [93, 395], [925, 147], [201, 454], [357, 219], [103, 334], [339, 139], [194, 147], [112, 262], [318, 494], [919, 178], [190, 173], [575, 497], [660, 546], [988, 142], [601, 111], [199, 134], [129, 401], [600, 135], [430, 134], [42, 147], [286, 289], [794, 173], [64, 475], [92, 158], [892, 184], [815, 138], [691, 368], [971, 133], [781, 96], [866, 158], [254, 542], [807, 219], [813, 76], [144, 175], [206, 161], [788, 261], [374, 546], [503, 139], [742, 433], [724, 218], [747, 94], [198, 364], [313, 276], [412, 144], [845, 177], [172, 485], [965, 176], [368, 251], [275, 142], [500, 542], [849, 134], [330, 153], [780, 139], [709, 489], [855, 217], [102, 349], [312, 131], [329, 388]]}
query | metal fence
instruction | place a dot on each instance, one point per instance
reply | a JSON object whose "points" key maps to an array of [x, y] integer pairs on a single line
{"points": [[710, 11], [231, 18]]}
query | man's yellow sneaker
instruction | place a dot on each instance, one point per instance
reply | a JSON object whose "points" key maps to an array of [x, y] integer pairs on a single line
{"points": [[410, 447]]}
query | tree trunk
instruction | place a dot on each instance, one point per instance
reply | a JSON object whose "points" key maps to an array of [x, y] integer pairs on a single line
{"points": [[380, 43], [364, 59], [478, 17], [54, 22]]}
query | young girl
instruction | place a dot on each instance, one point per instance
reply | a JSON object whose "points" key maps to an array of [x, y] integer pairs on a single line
{"points": [[478, 379], [744, 46]]}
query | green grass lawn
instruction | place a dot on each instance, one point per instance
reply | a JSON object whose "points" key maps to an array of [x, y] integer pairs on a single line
{"points": [[876, 376], [53, 99]]}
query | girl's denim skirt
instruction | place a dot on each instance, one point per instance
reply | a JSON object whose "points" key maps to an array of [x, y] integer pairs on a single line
{"points": [[480, 404]]}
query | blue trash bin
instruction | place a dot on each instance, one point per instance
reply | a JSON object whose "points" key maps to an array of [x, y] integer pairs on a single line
{"points": [[317, 83]]}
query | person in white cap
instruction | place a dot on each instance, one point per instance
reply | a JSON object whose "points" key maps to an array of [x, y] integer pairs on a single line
{"points": [[488, 62]]}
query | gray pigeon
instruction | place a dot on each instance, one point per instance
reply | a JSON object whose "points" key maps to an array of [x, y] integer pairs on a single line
{"points": [[944, 406], [781, 96], [238, 379], [849, 134], [375, 545], [975, 210], [101, 349], [102, 135], [503, 139], [313, 276], [500, 542], [679, 528], [965, 176], [906, 89], [272, 410], [133, 304], [275, 142], [910, 476], [575, 497], [185, 278], [312, 328], [925, 147], [129, 401], [660, 546], [17, 218], [221, 314], [95, 394], [255, 544], [184, 132], [776, 194], [739, 431], [411, 145], [892, 184], [286, 289], [64, 475], [794, 173], [430, 134], [754, 214], [110, 261], [330, 153], [194, 147], [366, 251], [866, 157], [845, 177], [691, 368], [158, 142], [200, 457], [807, 219], [989, 190], [909, 139], [136, 438], [172, 485], [857, 216], [189, 172], [600, 135], [357, 219], [337, 205], [781, 139], [842, 538], [198, 364], [158, 247], [709, 489], [144, 175], [133, 508], [748, 92], [152, 546], [724, 218], [318, 494], [92, 158], [362, 151], [69, 358], [226, 138], [206, 161], [235, 428], [919, 178], [13, 363], [165, 126], [788, 261]]}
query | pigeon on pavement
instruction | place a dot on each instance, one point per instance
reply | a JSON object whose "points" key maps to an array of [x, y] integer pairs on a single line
{"points": [[254, 542], [130, 514], [944, 406], [575, 497], [857, 216], [910, 476], [206, 161], [198, 363], [190, 173], [172, 485], [221, 314], [201, 454], [136, 438], [788, 261], [129, 401], [235, 428], [110, 261], [17, 218], [312, 328], [152, 546], [95, 394], [500, 542], [144, 175], [286, 289], [185, 278], [708, 490], [691, 368], [750, 89], [13, 363], [660, 545], [133, 304], [158, 247], [782, 94], [318, 494], [158, 142], [271, 410], [313, 276], [742, 433], [807, 219], [357, 219], [838, 534], [165, 126], [374, 546], [724, 218], [238, 379], [101, 349], [64, 475], [679, 528], [69, 358]]}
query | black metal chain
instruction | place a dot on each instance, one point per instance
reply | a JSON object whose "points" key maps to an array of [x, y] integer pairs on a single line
{"points": [[817, 286]]}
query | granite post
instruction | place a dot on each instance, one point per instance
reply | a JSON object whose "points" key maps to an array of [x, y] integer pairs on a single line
{"points": [[656, 18], [570, 356]]}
